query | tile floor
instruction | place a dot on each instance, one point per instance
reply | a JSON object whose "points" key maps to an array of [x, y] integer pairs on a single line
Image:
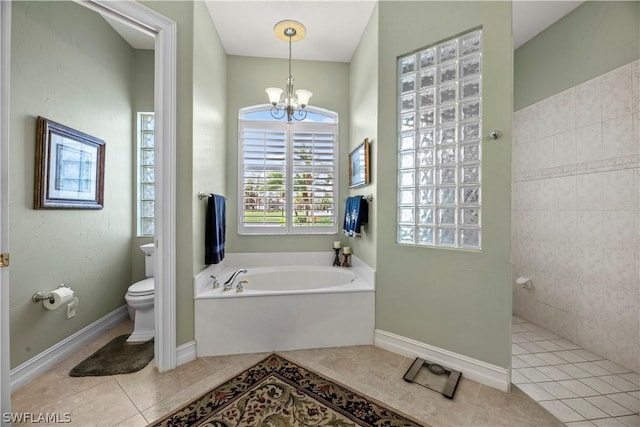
{"points": [[579, 387], [142, 397]]}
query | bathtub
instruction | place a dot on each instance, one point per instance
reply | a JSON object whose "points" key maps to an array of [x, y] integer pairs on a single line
{"points": [[285, 307]]}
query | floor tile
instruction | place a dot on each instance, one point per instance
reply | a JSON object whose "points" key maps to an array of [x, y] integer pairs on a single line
{"points": [[551, 359], [611, 367], [627, 400], [584, 408], [632, 377], [534, 375], [516, 362], [580, 424], [587, 355], [554, 373], [592, 368], [557, 390], [516, 349], [549, 346], [532, 347], [620, 383], [579, 388], [570, 356], [609, 406], [517, 338], [607, 422], [600, 386], [573, 371], [518, 378], [565, 344], [538, 393], [630, 421], [533, 360], [561, 411]]}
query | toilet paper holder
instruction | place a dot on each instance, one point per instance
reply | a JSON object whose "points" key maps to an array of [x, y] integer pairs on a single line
{"points": [[41, 296]]}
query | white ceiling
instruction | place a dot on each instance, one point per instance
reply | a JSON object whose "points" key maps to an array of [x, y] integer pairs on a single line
{"points": [[334, 27]]}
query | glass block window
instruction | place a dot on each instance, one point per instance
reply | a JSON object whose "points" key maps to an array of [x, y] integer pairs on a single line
{"points": [[146, 174], [439, 144], [287, 173]]}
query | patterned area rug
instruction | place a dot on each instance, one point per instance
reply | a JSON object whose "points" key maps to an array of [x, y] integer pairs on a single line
{"points": [[278, 393]]}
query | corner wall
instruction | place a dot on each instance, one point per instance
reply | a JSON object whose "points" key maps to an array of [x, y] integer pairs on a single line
{"points": [[596, 37], [453, 299], [576, 213], [363, 105], [69, 66]]}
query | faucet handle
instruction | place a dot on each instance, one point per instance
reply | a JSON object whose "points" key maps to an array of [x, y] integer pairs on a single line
{"points": [[215, 282], [239, 287]]}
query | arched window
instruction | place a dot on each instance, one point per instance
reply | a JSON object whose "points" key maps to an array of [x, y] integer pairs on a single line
{"points": [[287, 173]]}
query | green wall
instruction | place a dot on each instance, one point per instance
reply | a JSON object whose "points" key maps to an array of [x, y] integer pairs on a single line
{"points": [[247, 79], [363, 101], [596, 37], [142, 88], [453, 299], [209, 115], [198, 137], [69, 66]]}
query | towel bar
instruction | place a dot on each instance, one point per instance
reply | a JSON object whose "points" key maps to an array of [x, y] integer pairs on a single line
{"points": [[202, 195], [368, 197]]}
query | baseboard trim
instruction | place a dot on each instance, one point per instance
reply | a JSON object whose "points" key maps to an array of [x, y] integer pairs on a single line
{"points": [[186, 353], [477, 370], [40, 363]]}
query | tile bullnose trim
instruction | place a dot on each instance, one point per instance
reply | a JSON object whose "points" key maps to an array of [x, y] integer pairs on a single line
{"points": [[477, 370]]}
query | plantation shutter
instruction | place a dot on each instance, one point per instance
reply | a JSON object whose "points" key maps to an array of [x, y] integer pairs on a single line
{"points": [[263, 176], [313, 165], [287, 177]]}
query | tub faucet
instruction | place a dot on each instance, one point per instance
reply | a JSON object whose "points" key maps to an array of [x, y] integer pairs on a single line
{"points": [[215, 283], [229, 283]]}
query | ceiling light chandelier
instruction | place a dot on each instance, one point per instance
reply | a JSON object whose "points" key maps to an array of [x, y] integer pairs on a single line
{"points": [[287, 102]]}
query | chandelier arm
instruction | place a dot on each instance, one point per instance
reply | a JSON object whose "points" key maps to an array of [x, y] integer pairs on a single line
{"points": [[276, 113], [300, 114]]}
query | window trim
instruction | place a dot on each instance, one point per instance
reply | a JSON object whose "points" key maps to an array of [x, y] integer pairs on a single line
{"points": [[289, 130]]}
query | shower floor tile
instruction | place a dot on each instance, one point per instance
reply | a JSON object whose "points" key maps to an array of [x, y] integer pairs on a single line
{"points": [[579, 387]]}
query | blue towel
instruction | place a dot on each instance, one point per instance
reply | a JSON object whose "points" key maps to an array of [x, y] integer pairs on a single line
{"points": [[214, 230], [356, 214]]}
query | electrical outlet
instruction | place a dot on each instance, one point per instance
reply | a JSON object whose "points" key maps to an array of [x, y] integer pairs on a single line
{"points": [[71, 308]]}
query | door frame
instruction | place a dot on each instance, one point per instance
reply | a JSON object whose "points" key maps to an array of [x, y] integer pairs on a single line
{"points": [[164, 31]]}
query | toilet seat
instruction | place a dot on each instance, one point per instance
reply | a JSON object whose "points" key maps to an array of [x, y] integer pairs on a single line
{"points": [[142, 288]]}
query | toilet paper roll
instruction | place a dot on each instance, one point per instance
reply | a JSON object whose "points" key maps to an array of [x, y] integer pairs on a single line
{"points": [[59, 297]]}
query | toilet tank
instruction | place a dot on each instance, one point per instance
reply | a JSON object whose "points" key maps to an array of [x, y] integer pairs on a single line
{"points": [[148, 250]]}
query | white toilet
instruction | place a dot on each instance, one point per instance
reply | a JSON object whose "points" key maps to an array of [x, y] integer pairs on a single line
{"points": [[140, 298]]}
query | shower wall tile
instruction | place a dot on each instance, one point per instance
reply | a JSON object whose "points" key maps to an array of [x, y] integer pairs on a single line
{"points": [[564, 148], [576, 222], [617, 137], [589, 143], [589, 102], [635, 75], [617, 93]]}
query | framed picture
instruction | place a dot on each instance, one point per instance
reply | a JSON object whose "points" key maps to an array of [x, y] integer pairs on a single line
{"points": [[359, 165], [69, 170]]}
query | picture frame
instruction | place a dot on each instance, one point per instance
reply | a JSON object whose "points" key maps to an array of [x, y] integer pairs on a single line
{"points": [[359, 165], [69, 168]]}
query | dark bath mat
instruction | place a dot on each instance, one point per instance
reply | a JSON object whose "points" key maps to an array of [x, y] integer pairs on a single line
{"points": [[116, 357]]}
